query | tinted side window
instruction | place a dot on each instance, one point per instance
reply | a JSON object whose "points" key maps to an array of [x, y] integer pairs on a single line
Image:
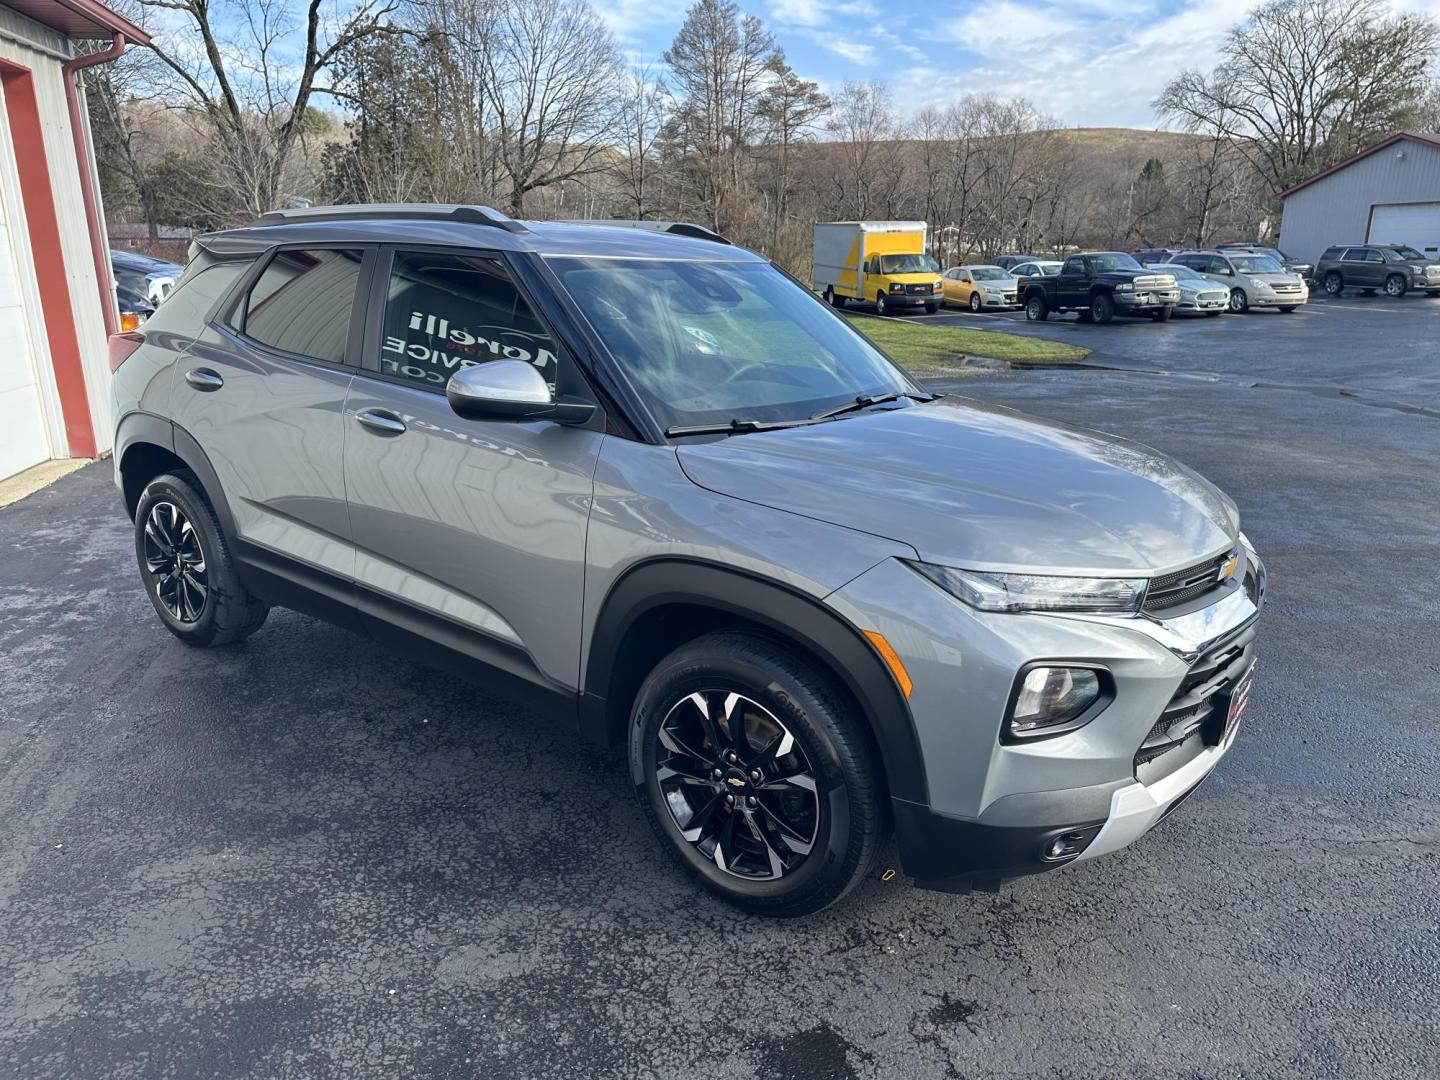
{"points": [[303, 301], [1333, 253], [1074, 265], [444, 312], [189, 304], [1371, 255]]}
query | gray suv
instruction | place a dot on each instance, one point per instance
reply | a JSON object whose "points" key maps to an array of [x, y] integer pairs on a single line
{"points": [[1396, 268], [646, 478]]}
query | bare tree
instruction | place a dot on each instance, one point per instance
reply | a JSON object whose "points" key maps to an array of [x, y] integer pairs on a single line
{"points": [[241, 78], [789, 109], [720, 63], [1304, 83], [861, 125], [642, 111], [552, 80]]}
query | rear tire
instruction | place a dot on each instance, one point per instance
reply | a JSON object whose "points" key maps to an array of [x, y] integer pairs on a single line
{"points": [[1102, 308], [804, 834], [1036, 310], [187, 568], [1334, 284]]}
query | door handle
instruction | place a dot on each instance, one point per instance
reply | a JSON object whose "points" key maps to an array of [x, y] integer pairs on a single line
{"points": [[202, 378], [380, 421]]}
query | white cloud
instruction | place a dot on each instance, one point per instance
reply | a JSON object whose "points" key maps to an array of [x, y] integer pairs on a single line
{"points": [[857, 52], [800, 12]]}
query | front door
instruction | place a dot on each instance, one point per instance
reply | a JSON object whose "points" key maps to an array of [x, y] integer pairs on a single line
{"points": [[264, 400], [470, 533], [1072, 287]]}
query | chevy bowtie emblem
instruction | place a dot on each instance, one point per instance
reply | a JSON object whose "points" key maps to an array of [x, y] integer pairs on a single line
{"points": [[735, 781]]}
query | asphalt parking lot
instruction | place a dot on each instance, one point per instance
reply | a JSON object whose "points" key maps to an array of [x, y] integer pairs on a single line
{"points": [[299, 857], [1368, 344]]}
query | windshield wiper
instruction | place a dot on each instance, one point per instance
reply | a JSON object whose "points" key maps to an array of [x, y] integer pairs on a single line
{"points": [[864, 401], [740, 425]]}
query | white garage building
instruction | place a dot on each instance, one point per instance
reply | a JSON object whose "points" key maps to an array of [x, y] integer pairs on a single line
{"points": [[56, 298], [1386, 194]]}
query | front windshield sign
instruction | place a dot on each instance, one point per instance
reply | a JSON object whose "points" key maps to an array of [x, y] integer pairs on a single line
{"points": [[707, 343]]}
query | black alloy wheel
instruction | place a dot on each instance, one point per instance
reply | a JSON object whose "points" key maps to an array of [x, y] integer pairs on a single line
{"points": [[175, 562], [737, 784]]}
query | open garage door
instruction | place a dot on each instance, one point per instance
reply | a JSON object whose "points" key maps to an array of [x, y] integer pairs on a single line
{"points": [[1416, 224]]}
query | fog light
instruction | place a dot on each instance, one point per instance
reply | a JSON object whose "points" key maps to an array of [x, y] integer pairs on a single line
{"points": [[1053, 699], [1070, 844]]}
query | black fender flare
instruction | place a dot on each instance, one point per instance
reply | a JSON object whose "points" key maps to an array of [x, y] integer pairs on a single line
{"points": [[778, 608], [142, 428]]}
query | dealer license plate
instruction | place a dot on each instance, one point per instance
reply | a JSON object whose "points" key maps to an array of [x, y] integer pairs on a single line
{"points": [[1239, 699]]}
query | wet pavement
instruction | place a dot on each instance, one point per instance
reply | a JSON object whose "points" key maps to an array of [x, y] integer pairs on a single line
{"points": [[301, 857]]}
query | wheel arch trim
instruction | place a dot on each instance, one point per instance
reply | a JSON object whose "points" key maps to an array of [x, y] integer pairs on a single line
{"points": [[672, 581], [139, 429]]}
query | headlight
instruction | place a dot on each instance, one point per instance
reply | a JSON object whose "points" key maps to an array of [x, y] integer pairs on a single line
{"points": [[1259, 283], [1050, 700], [895, 286], [939, 286], [1125, 287], [1036, 592]]}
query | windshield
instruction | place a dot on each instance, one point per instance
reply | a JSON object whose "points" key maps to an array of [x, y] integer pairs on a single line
{"points": [[1256, 264], [1045, 269], [1182, 273], [1403, 252], [1112, 260], [908, 264], [708, 343], [989, 273]]}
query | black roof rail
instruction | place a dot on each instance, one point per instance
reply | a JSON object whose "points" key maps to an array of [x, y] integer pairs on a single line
{"points": [[472, 215], [678, 228]]}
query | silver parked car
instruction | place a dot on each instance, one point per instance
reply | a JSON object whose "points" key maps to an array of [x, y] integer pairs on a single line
{"points": [[1252, 279], [643, 477], [1198, 294]]}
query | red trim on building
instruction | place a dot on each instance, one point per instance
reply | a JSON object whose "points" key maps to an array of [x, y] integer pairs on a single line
{"points": [[44, 229], [1425, 140]]}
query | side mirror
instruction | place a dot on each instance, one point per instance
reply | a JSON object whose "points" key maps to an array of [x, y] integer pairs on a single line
{"points": [[510, 390]]}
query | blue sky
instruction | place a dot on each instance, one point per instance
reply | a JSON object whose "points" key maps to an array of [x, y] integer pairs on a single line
{"points": [[1089, 63]]}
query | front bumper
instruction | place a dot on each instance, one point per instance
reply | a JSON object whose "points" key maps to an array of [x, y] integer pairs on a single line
{"points": [[1149, 300], [912, 299], [1193, 303], [1259, 298], [996, 811]]}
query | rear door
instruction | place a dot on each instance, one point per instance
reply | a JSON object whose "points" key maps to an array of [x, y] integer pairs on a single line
{"points": [[1072, 287], [264, 398], [468, 533]]}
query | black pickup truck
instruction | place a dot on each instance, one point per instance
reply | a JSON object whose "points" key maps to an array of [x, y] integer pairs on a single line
{"points": [[1100, 285]]}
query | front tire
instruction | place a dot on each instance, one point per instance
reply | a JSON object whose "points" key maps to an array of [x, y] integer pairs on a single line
{"points": [[1102, 308], [882, 306], [187, 568], [1395, 285], [931, 309], [756, 775], [1036, 310], [975, 304], [1334, 284], [1239, 302], [1161, 314]]}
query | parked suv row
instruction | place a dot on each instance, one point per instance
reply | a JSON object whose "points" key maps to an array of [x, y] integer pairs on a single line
{"points": [[653, 483]]}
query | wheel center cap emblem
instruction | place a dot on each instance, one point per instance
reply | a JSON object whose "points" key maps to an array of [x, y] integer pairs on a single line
{"points": [[736, 781]]}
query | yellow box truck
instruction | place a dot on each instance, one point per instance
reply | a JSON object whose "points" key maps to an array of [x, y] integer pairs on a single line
{"points": [[880, 261]]}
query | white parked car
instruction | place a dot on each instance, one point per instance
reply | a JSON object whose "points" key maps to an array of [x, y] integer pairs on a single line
{"points": [[1038, 268], [1198, 294]]}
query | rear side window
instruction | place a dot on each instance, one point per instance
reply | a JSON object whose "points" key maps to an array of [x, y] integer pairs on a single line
{"points": [[302, 303], [445, 311], [188, 306], [1333, 253]]}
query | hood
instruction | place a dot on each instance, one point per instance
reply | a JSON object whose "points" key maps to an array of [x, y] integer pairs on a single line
{"points": [[1289, 277], [978, 486]]}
